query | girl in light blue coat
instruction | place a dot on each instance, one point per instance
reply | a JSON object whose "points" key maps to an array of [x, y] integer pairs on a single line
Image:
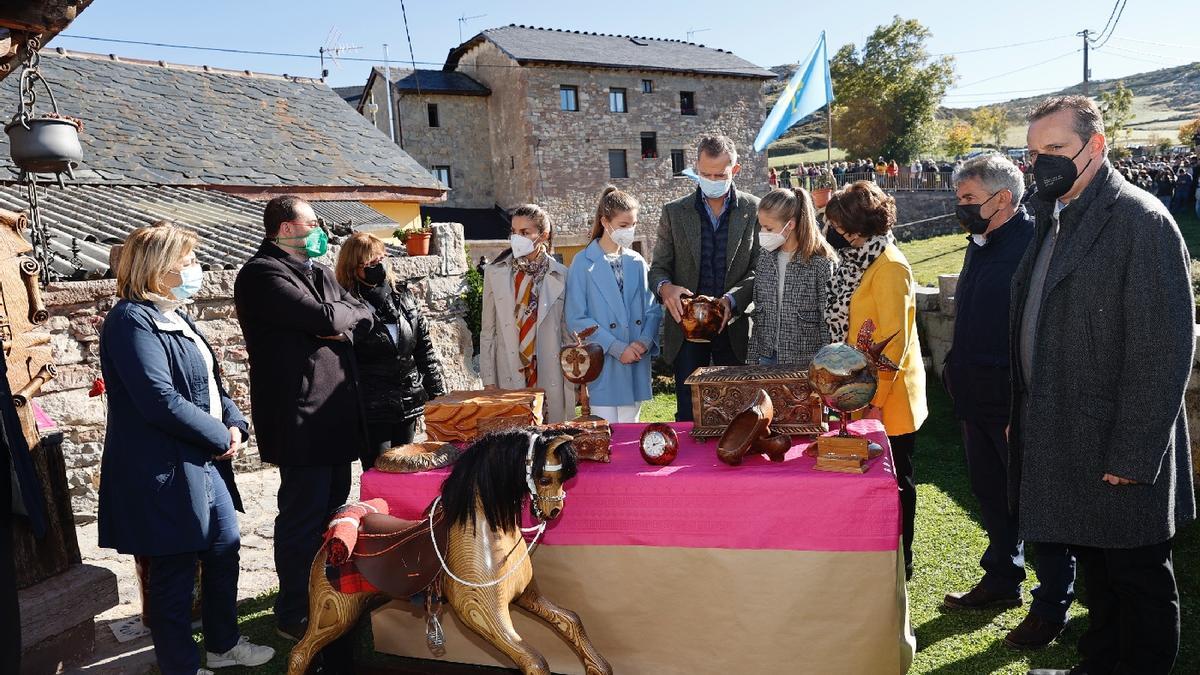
{"points": [[607, 288]]}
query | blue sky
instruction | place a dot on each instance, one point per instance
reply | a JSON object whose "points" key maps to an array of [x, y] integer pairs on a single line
{"points": [[1150, 35]]}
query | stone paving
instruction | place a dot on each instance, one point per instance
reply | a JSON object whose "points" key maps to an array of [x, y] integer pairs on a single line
{"points": [[258, 489]]}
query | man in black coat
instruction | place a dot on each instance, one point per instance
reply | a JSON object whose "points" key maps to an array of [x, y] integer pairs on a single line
{"points": [[297, 321], [1102, 336], [989, 189]]}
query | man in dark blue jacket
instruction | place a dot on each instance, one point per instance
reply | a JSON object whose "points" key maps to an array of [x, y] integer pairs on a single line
{"points": [[989, 190]]}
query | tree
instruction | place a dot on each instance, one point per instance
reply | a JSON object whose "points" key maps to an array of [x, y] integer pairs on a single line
{"points": [[1189, 134], [1117, 107], [992, 122], [888, 91], [1164, 146], [959, 138]]}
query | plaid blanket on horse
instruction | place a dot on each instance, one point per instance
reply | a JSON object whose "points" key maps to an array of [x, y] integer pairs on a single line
{"points": [[340, 538]]}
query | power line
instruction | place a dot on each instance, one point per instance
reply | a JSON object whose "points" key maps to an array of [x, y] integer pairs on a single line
{"points": [[1015, 44], [1032, 65], [1159, 44], [1109, 22], [1114, 25], [1145, 57]]}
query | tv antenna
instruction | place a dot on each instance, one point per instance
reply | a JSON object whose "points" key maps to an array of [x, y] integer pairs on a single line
{"points": [[692, 32], [463, 20], [332, 49]]}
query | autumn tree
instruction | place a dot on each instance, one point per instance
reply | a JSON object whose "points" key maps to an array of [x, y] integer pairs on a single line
{"points": [[888, 91], [1116, 105], [959, 138], [1189, 134], [992, 122]]}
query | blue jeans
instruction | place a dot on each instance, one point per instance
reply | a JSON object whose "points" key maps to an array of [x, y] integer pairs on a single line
{"points": [[1003, 561], [172, 577]]}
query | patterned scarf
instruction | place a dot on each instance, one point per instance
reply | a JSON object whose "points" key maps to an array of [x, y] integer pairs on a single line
{"points": [[845, 279], [527, 279]]}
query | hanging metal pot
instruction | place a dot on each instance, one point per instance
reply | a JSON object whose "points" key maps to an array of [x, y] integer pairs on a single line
{"points": [[44, 144]]}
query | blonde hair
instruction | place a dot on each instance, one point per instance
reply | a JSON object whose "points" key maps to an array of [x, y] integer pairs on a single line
{"points": [[796, 204], [612, 202], [359, 249], [147, 255]]}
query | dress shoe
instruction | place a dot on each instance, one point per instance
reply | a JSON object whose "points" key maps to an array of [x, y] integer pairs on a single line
{"points": [[980, 598], [1034, 633], [292, 631]]}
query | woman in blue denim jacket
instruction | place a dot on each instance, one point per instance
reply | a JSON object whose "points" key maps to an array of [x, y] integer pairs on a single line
{"points": [[166, 478]]}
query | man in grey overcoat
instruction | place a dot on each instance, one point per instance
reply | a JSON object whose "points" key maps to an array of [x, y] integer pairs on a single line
{"points": [[1101, 329], [707, 245]]}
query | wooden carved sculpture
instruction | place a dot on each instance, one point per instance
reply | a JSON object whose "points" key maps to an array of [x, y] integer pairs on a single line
{"points": [[472, 534], [26, 350]]}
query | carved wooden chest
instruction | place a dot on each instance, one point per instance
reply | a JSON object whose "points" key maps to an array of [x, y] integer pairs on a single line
{"points": [[464, 415], [721, 392]]}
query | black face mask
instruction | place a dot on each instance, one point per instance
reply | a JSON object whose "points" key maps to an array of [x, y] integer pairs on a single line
{"points": [[970, 217], [1055, 174], [374, 275], [835, 239]]}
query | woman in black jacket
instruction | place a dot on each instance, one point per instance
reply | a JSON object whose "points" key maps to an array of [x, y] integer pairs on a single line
{"points": [[398, 370]]}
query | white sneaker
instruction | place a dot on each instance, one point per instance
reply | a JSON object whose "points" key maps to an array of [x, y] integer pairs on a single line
{"points": [[244, 653]]}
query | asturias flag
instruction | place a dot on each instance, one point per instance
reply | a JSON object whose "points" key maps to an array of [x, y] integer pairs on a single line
{"points": [[810, 89]]}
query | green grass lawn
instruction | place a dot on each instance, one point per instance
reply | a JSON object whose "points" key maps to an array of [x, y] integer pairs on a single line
{"points": [[948, 544], [934, 256]]}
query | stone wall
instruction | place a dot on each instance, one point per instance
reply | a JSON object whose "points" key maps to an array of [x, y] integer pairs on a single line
{"points": [[77, 311], [920, 208], [460, 142], [572, 148]]}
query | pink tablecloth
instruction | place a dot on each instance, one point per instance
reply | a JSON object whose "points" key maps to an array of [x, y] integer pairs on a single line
{"points": [[699, 502]]}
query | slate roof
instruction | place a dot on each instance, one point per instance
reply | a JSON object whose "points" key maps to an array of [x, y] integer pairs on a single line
{"points": [[98, 216], [351, 95], [435, 82], [184, 125], [357, 214], [529, 44]]}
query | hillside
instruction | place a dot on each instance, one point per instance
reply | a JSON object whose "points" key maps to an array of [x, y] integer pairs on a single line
{"points": [[1162, 101]]}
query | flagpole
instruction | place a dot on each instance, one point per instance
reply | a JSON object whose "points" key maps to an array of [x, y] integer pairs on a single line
{"points": [[829, 135]]}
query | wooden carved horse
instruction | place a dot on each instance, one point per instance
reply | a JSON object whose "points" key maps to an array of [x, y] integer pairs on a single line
{"points": [[485, 557]]}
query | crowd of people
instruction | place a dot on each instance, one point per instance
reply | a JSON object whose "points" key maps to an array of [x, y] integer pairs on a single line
{"points": [[1091, 465], [918, 174], [1174, 178]]}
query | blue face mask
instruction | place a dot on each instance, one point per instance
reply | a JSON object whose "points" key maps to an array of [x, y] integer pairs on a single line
{"points": [[192, 278], [711, 188]]}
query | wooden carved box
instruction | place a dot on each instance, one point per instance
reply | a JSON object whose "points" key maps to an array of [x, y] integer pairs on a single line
{"points": [[592, 438], [721, 392], [464, 415]]}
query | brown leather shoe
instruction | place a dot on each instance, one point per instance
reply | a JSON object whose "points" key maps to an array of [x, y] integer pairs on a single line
{"points": [[980, 598], [1033, 633]]}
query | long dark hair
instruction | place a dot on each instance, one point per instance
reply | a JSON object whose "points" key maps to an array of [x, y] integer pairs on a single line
{"points": [[493, 469]]}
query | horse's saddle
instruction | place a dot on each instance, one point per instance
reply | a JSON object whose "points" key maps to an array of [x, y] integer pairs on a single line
{"points": [[396, 556]]}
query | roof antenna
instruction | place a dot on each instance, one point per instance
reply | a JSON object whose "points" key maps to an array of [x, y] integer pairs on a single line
{"points": [[692, 32], [333, 49], [462, 20]]}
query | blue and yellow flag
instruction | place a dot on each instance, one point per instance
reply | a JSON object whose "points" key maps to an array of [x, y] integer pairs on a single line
{"points": [[810, 89]]}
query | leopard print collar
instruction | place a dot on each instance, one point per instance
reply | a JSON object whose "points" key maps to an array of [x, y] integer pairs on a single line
{"points": [[845, 280]]}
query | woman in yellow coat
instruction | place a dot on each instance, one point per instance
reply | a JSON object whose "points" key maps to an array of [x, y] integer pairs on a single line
{"points": [[874, 281]]}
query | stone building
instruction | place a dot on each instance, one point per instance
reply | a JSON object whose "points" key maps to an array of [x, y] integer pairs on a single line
{"points": [[521, 114]]}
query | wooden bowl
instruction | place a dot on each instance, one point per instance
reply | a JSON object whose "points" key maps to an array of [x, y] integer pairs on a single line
{"points": [[774, 446], [701, 320]]}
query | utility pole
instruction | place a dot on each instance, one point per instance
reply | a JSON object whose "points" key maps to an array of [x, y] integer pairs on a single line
{"points": [[387, 82], [1087, 73]]}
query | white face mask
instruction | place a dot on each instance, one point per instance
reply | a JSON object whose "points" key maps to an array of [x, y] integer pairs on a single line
{"points": [[622, 237], [713, 188], [521, 246], [772, 240]]}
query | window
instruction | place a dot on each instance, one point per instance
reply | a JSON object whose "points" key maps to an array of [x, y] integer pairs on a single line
{"points": [[649, 145], [616, 164], [442, 173], [433, 115], [568, 98], [678, 163], [647, 86], [687, 103], [616, 100]]}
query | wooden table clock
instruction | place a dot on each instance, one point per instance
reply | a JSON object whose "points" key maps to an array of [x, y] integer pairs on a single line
{"points": [[659, 444]]}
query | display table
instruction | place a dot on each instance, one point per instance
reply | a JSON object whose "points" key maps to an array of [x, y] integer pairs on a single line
{"points": [[700, 567]]}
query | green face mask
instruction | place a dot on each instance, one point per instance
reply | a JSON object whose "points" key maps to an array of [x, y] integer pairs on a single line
{"points": [[316, 243]]}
